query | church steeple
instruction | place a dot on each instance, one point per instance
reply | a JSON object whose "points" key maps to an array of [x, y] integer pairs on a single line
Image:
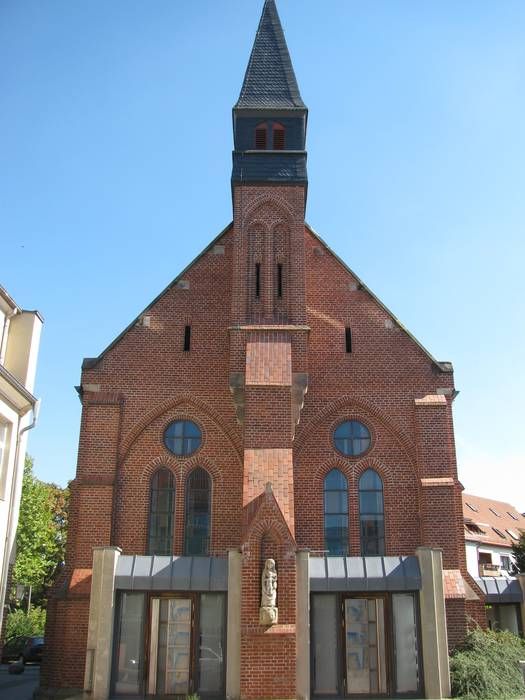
{"points": [[270, 81], [269, 118]]}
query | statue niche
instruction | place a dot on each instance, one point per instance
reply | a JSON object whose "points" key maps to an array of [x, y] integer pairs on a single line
{"points": [[268, 612]]}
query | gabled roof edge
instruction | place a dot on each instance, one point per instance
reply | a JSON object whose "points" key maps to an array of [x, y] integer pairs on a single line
{"points": [[445, 367], [90, 362]]}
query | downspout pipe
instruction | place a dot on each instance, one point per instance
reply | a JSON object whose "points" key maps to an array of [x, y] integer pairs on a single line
{"points": [[5, 564]]}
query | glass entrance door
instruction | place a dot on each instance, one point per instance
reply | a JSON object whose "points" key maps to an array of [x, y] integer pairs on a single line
{"points": [[170, 646], [365, 657]]}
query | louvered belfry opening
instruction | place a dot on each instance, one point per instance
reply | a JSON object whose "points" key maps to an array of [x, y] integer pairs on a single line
{"points": [[260, 137], [278, 137]]}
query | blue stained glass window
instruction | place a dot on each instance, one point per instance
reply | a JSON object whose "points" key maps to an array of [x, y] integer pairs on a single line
{"points": [[198, 502], [162, 501], [371, 514], [182, 437], [352, 438], [336, 513]]}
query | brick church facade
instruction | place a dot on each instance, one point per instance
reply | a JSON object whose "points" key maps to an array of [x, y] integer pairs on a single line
{"points": [[266, 405]]}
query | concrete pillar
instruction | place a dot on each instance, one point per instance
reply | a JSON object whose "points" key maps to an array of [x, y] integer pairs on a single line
{"points": [[233, 640], [433, 624], [521, 580], [97, 674], [302, 622]]}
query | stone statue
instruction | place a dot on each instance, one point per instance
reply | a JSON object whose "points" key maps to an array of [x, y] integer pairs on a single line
{"points": [[268, 613]]}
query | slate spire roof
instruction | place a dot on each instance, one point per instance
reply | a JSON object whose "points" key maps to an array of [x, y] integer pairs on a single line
{"points": [[270, 81]]}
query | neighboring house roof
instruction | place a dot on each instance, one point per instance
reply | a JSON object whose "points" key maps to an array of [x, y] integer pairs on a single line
{"points": [[491, 522], [270, 81]]}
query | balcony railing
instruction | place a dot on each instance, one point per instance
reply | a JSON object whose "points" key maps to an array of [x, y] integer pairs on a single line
{"points": [[489, 570]]}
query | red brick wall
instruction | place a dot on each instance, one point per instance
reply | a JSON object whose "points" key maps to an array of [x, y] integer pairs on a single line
{"points": [[146, 380]]}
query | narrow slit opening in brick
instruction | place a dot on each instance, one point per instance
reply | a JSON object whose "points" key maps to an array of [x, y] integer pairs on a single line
{"points": [[257, 280], [187, 338], [279, 281], [348, 339]]}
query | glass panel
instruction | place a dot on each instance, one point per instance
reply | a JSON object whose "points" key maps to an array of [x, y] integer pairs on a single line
{"points": [[405, 643], [371, 501], [162, 497], [198, 513], [336, 534], [365, 646], [325, 626], [211, 644], [173, 662], [335, 502], [352, 438], [130, 652], [508, 617], [335, 480], [182, 437]]}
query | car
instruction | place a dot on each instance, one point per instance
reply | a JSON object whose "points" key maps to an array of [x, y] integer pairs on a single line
{"points": [[23, 649]]}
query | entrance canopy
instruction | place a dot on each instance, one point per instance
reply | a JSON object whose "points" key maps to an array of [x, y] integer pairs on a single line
{"points": [[158, 573], [500, 590], [364, 574]]}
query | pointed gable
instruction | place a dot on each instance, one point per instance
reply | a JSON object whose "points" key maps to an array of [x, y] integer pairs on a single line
{"points": [[270, 81]]}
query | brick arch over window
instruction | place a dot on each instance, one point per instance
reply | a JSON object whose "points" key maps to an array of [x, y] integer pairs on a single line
{"points": [[181, 402], [360, 410], [159, 463]]}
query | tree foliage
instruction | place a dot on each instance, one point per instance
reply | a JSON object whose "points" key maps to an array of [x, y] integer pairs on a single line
{"points": [[19, 623], [518, 549], [41, 534]]}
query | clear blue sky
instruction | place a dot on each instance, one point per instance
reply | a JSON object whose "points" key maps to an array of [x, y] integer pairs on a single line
{"points": [[115, 129]]}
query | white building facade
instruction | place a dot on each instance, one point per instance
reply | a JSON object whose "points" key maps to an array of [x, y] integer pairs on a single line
{"points": [[19, 342], [491, 528]]}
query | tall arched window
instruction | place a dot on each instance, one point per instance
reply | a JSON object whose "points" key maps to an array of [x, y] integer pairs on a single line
{"points": [[371, 514], [198, 500], [161, 506], [336, 513]]}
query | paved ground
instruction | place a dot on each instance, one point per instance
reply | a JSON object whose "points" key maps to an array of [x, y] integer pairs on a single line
{"points": [[13, 687]]}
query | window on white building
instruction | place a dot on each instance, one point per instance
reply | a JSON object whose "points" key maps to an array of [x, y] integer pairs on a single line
{"points": [[4, 445]]}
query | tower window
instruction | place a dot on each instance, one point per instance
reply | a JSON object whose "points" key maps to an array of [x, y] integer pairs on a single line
{"points": [[280, 280], [348, 339], [260, 137], [257, 280], [278, 137], [187, 338]]}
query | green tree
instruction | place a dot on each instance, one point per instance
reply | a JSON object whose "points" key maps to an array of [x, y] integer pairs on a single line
{"points": [[518, 550], [41, 534], [21, 624]]}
